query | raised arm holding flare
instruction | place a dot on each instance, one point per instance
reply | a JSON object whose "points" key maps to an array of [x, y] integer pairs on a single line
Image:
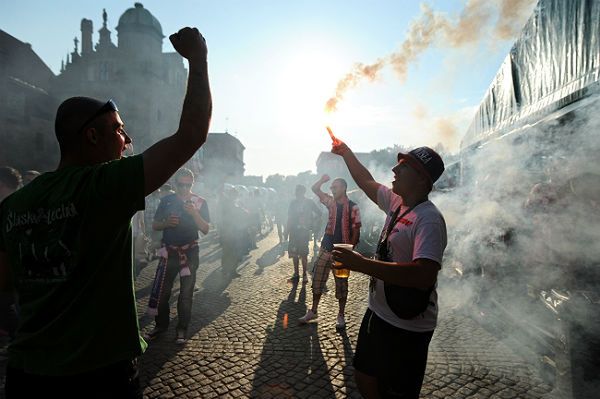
{"points": [[393, 341], [411, 274]]}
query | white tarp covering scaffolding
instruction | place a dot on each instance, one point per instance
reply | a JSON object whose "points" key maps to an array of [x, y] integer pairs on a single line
{"points": [[554, 62]]}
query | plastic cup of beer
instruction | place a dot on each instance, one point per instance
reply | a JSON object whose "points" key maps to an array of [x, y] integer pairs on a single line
{"points": [[341, 273]]}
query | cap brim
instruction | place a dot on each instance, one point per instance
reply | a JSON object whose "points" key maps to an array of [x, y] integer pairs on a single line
{"points": [[415, 164]]}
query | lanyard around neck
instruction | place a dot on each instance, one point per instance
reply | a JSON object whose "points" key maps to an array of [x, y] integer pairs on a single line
{"points": [[394, 219]]}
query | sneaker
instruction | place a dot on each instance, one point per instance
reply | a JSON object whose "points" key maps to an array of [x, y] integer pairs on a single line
{"points": [[154, 333], [180, 337], [340, 322], [310, 315]]}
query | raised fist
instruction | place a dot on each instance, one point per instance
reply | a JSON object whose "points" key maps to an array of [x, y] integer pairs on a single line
{"points": [[190, 44]]}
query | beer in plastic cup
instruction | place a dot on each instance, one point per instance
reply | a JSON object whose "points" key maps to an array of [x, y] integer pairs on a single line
{"points": [[341, 273]]}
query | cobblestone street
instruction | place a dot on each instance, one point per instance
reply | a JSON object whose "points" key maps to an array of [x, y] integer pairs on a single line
{"points": [[245, 341]]}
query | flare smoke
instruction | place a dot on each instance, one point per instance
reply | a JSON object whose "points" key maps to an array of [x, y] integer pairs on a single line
{"points": [[428, 27]]}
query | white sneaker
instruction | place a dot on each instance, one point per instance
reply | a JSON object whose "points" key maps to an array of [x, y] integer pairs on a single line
{"points": [[310, 315], [340, 322], [180, 337]]}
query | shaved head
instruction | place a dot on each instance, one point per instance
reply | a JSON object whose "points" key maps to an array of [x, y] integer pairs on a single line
{"points": [[71, 115]]}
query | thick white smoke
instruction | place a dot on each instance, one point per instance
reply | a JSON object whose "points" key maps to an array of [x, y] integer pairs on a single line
{"points": [[526, 221], [430, 28]]}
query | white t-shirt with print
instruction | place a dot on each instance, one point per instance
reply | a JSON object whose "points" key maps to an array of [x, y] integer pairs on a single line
{"points": [[420, 234]]}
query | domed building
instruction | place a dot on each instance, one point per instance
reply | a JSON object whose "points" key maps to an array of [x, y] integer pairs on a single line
{"points": [[139, 31], [147, 84]]}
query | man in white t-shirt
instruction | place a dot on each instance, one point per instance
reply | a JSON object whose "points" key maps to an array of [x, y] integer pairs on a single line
{"points": [[391, 351]]}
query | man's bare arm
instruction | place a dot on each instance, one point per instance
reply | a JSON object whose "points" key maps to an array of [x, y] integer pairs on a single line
{"points": [[201, 224], [360, 174], [420, 273], [316, 188], [165, 157]]}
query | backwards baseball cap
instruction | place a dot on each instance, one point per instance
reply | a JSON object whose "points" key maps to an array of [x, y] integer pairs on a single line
{"points": [[426, 161]]}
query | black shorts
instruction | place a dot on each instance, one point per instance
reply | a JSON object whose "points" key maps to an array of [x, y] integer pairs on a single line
{"points": [[396, 357]]}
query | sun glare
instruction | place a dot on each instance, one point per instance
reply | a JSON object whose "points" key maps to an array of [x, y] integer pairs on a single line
{"points": [[307, 79], [305, 84]]}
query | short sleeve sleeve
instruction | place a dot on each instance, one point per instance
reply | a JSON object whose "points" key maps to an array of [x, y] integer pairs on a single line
{"points": [[430, 242]]}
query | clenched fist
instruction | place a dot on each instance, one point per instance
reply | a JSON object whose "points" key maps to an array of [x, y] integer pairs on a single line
{"points": [[339, 147], [190, 44]]}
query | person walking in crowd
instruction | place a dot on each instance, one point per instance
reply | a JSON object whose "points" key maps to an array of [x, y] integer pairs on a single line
{"points": [[255, 216], [278, 209], [78, 333], [317, 228], [232, 233], [301, 214], [179, 216], [393, 341], [343, 226], [10, 181]]}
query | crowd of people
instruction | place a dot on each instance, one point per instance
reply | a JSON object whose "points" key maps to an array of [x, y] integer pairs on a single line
{"points": [[66, 254]]}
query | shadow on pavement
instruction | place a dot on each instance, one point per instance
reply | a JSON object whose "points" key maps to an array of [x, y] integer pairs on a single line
{"points": [[269, 258], [348, 358], [208, 304], [292, 361]]}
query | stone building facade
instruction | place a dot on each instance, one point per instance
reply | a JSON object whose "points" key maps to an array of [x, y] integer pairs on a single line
{"points": [[221, 160], [147, 84], [27, 109]]}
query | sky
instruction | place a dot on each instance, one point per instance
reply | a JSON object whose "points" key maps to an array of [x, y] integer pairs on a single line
{"points": [[273, 66]]}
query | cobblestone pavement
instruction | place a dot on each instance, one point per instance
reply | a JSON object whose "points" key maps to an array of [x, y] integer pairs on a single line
{"points": [[245, 341]]}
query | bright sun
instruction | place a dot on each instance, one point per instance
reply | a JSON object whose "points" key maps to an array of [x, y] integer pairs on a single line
{"points": [[305, 84]]}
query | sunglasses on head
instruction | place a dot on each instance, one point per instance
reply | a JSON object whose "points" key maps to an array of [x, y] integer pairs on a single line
{"points": [[110, 106]]}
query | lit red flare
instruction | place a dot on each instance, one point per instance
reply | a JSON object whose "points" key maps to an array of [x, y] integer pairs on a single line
{"points": [[333, 138]]}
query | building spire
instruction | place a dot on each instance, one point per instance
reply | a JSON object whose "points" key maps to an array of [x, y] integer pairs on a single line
{"points": [[76, 42], [104, 42]]}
